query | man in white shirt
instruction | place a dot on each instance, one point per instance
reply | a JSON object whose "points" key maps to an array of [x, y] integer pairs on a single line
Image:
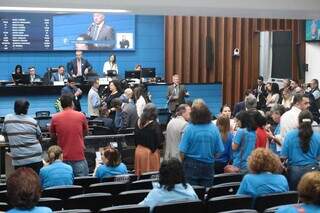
{"points": [[289, 120], [174, 131], [94, 101]]}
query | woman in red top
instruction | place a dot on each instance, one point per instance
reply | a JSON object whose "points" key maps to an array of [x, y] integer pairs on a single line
{"points": [[261, 133]]}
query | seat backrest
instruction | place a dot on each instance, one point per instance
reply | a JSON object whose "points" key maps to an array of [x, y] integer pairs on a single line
{"points": [[100, 130], [85, 181], [126, 209], [43, 114], [4, 206], [92, 201], [109, 187], [126, 131], [182, 206], [229, 202], [3, 196], [3, 186], [132, 197], [227, 178], [273, 209], [241, 211], [149, 175], [223, 189], [62, 192], [74, 211], [270, 200], [200, 190], [53, 203], [142, 184], [121, 178]]}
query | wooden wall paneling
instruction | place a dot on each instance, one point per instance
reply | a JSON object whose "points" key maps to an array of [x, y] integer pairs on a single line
{"points": [[294, 63], [178, 47], [237, 62], [169, 51], [228, 60], [186, 49], [195, 50], [288, 24], [202, 52], [213, 71], [221, 49]]}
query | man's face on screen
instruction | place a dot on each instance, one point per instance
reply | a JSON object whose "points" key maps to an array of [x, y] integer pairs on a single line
{"points": [[98, 18]]}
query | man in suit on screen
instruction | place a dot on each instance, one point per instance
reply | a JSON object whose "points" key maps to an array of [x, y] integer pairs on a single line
{"points": [[100, 32], [176, 94]]}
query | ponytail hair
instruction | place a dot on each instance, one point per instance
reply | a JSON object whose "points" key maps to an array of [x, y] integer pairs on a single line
{"points": [[54, 153], [305, 130]]}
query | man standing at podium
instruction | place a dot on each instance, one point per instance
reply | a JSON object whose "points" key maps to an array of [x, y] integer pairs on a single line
{"points": [[79, 67], [176, 94]]}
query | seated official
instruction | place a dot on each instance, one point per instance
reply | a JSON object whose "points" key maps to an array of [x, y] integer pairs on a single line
{"points": [[264, 166], [112, 164], [60, 76], [56, 173], [33, 77], [18, 74], [172, 186], [309, 195], [24, 192]]}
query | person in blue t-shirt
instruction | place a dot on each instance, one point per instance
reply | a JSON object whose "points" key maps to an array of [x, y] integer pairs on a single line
{"points": [[244, 140], [301, 147], [309, 195], [24, 192], [200, 144], [56, 173], [172, 186], [264, 179], [112, 164], [223, 123]]}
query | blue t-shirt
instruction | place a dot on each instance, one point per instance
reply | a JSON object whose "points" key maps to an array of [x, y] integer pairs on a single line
{"points": [[291, 149], [263, 183], [247, 142], [56, 174], [227, 153], [294, 209], [201, 142], [33, 210], [107, 171], [273, 145]]}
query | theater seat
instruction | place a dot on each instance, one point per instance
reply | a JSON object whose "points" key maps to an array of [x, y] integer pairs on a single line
{"points": [[132, 197], [121, 178], [53, 203], [3, 186], [200, 190], [223, 189], [110, 187], [142, 184], [227, 178], [74, 211], [62, 192], [183, 206], [241, 211], [149, 175], [264, 202], [126, 209], [229, 202], [42, 114], [92, 201], [4, 206], [3, 196], [85, 181]]}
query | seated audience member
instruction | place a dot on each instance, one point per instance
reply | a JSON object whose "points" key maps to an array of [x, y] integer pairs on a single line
{"points": [[172, 186], [24, 192], [244, 140], [111, 164], [33, 76], [61, 75], [24, 136], [309, 195], [56, 173], [261, 133], [264, 179], [302, 149], [18, 74], [223, 124], [199, 146], [148, 140]]}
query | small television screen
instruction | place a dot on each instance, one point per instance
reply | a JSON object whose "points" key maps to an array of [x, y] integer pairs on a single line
{"points": [[313, 30]]}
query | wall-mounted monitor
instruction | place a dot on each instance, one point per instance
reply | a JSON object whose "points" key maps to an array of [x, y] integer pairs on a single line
{"points": [[313, 30], [82, 31]]}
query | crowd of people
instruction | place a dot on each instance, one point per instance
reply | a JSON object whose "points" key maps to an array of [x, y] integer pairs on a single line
{"points": [[271, 137]]}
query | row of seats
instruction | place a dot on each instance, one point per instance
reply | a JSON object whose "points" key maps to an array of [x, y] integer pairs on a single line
{"points": [[100, 201]]}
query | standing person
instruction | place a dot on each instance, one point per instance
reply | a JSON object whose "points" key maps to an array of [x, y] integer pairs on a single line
{"points": [[126, 113], [61, 75], [148, 139], [140, 99], [273, 95], [223, 123], [260, 93], [102, 33], [79, 67], [72, 89], [261, 132], [174, 131], [302, 149], [286, 98], [314, 84], [308, 190], [225, 110], [24, 192], [56, 173], [69, 128], [94, 101], [176, 94], [24, 135], [111, 64], [200, 143], [115, 92]]}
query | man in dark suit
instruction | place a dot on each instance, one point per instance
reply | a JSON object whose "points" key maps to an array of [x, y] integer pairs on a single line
{"points": [[61, 75], [102, 33], [33, 77], [260, 93], [79, 67], [176, 94], [124, 43]]}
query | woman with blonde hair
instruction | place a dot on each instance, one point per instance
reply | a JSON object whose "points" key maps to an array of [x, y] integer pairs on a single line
{"points": [[309, 195], [56, 173], [264, 178]]}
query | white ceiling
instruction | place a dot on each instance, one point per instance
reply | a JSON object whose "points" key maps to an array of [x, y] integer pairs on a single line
{"points": [[292, 9]]}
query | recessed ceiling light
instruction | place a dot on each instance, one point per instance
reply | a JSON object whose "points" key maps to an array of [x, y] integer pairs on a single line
{"points": [[47, 9]]}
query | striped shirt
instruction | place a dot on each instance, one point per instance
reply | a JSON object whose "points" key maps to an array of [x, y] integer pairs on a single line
{"points": [[23, 133]]}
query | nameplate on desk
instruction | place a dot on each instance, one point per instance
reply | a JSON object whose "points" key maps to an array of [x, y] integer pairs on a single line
{"points": [[104, 81], [58, 83]]}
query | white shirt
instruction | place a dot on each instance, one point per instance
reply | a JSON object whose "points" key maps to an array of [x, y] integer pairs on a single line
{"points": [[288, 121], [141, 103], [272, 99], [93, 102], [108, 66]]}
